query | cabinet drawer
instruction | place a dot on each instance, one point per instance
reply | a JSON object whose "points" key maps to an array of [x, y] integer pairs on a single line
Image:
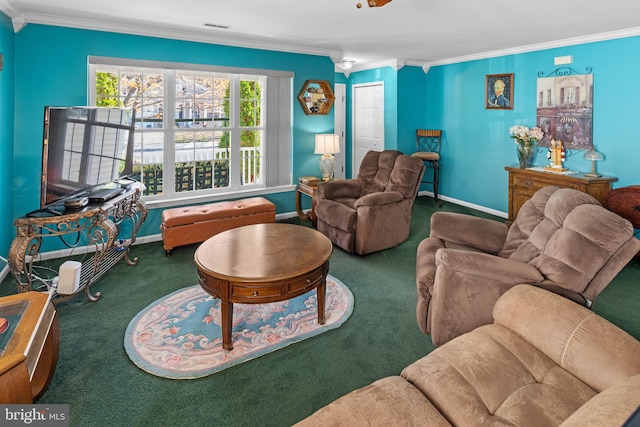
{"points": [[257, 291], [535, 184], [305, 283], [211, 285]]}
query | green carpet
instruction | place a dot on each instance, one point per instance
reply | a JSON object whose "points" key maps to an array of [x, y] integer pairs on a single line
{"points": [[103, 387]]}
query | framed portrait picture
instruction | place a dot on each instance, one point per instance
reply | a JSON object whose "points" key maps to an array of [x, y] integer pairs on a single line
{"points": [[499, 92]]}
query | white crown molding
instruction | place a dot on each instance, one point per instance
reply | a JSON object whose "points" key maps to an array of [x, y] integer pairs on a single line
{"points": [[173, 33], [8, 8], [630, 32], [394, 63], [19, 22]]}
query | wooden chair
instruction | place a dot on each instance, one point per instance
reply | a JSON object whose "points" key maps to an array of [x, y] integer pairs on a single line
{"points": [[428, 150]]}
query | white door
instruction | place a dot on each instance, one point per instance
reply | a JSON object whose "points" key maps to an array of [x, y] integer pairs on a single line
{"points": [[339, 127], [368, 121]]}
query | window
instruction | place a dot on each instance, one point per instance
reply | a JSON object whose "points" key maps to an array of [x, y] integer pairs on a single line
{"points": [[200, 130]]}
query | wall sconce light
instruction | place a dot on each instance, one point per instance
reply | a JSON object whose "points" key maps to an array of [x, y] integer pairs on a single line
{"points": [[593, 156], [327, 145]]}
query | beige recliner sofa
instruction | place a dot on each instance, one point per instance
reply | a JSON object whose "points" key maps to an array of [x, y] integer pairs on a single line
{"points": [[562, 240], [373, 211], [544, 361]]}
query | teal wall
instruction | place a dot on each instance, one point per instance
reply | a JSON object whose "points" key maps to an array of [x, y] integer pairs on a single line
{"points": [[411, 106], [476, 144], [6, 135], [51, 69]]}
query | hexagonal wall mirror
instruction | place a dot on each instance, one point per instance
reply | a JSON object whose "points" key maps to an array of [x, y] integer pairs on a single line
{"points": [[316, 97]]}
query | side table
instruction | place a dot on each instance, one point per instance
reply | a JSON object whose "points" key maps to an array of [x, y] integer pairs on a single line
{"points": [[29, 347], [311, 191]]}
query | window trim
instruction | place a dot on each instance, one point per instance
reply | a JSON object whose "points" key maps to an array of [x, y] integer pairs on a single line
{"points": [[145, 63], [278, 127]]}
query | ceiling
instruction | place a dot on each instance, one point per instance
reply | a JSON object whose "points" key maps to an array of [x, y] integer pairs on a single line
{"points": [[415, 32]]}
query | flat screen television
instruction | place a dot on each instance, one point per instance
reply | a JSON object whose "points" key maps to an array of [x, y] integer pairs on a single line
{"points": [[84, 148]]}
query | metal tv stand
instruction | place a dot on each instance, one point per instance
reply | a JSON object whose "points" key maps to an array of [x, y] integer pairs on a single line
{"points": [[96, 225]]}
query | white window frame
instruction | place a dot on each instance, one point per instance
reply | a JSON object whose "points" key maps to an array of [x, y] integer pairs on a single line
{"points": [[277, 113]]}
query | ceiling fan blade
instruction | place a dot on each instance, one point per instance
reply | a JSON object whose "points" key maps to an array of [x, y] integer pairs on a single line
{"points": [[377, 3]]}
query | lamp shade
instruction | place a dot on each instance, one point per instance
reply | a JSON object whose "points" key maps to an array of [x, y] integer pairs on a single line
{"points": [[327, 144], [593, 155]]}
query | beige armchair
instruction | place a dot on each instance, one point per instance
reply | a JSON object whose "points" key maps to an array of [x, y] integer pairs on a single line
{"points": [[373, 211], [562, 240], [543, 361]]}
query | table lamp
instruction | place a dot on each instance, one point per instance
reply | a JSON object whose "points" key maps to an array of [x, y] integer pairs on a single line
{"points": [[594, 157], [327, 145]]}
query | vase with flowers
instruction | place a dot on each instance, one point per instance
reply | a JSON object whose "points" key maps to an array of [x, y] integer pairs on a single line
{"points": [[525, 139]]}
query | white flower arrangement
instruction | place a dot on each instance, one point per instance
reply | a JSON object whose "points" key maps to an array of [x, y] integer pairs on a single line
{"points": [[524, 135]]}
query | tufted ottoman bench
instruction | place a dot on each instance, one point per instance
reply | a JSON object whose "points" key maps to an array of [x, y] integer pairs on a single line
{"points": [[194, 224]]}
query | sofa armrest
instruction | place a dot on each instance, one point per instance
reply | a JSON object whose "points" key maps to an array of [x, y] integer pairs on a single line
{"points": [[480, 233], [379, 199], [339, 189], [612, 407], [481, 265], [574, 337], [467, 285], [385, 402]]}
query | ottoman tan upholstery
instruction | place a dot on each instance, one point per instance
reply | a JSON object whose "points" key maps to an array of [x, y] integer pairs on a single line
{"points": [[194, 224]]}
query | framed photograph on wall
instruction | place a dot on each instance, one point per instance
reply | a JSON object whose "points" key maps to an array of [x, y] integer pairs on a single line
{"points": [[499, 92]]}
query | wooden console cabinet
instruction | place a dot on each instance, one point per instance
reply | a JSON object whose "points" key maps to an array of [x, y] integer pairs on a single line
{"points": [[523, 183]]}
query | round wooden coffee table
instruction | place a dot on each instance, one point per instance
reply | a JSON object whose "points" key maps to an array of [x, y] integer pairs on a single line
{"points": [[263, 263]]}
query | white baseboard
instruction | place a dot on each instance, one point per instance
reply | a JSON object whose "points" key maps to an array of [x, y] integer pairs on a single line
{"points": [[467, 204]]}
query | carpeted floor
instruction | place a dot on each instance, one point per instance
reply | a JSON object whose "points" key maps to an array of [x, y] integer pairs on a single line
{"points": [[102, 386]]}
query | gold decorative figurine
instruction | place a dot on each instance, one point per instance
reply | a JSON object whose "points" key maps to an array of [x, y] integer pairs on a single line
{"points": [[556, 156]]}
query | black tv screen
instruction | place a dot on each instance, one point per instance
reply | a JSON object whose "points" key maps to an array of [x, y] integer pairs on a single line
{"points": [[84, 148]]}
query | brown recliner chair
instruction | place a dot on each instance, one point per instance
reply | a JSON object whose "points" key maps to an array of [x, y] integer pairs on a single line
{"points": [[373, 211], [562, 240]]}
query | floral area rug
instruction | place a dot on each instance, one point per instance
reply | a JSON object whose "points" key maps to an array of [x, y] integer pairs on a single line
{"points": [[179, 336]]}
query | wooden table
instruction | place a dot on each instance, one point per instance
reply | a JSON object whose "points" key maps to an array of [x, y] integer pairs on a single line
{"points": [[263, 263], [311, 191], [29, 347], [523, 183]]}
